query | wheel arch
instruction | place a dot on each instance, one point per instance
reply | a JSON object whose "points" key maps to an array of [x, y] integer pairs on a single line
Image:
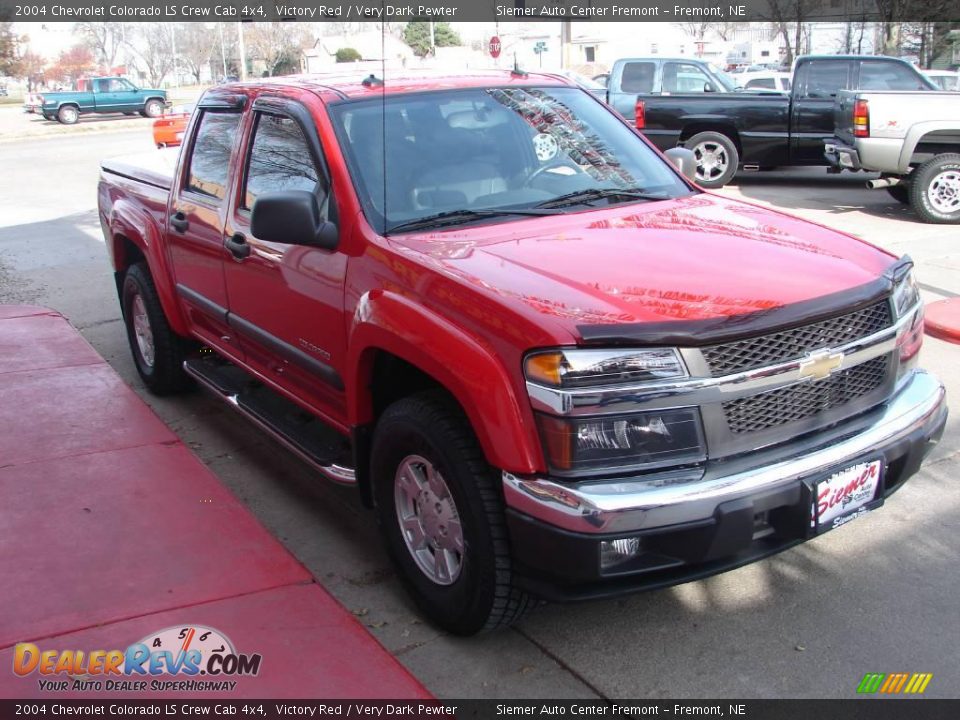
{"points": [[696, 126], [925, 140]]}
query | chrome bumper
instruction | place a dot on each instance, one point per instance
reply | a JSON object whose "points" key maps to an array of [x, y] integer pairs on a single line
{"points": [[641, 503]]}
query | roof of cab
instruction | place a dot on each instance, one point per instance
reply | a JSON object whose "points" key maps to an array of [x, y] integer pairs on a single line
{"points": [[352, 85]]}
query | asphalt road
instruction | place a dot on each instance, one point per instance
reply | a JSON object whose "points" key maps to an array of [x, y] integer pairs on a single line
{"points": [[879, 595]]}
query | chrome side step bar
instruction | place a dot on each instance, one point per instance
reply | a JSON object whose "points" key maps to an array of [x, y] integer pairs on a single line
{"points": [[321, 447]]}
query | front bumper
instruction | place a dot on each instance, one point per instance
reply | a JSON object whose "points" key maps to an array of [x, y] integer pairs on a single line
{"points": [[731, 515], [841, 156]]}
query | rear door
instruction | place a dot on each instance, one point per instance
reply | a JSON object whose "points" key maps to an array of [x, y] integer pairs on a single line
{"points": [[814, 89], [883, 74], [286, 301], [114, 94], [198, 209]]}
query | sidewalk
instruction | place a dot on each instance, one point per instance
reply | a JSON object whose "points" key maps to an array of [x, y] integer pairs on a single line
{"points": [[112, 531]]}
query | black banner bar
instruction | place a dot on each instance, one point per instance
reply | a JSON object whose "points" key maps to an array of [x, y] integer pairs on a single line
{"points": [[874, 708], [479, 10]]}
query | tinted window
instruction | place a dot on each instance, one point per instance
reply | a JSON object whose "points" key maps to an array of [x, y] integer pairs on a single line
{"points": [[824, 78], [761, 83], [684, 78], [638, 77], [279, 159], [878, 75], [211, 154]]}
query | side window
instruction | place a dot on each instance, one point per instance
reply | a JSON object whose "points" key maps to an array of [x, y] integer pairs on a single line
{"points": [[101, 86], [880, 75], [823, 78], [761, 83], [684, 78], [637, 77], [210, 161], [280, 159]]}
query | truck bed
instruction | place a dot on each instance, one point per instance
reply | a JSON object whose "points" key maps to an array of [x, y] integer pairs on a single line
{"points": [[156, 168]]}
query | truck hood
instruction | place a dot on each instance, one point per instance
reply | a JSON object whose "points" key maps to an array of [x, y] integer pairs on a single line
{"points": [[698, 258]]}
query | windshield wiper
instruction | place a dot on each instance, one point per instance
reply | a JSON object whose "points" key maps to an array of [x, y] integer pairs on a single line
{"points": [[455, 217], [587, 197]]}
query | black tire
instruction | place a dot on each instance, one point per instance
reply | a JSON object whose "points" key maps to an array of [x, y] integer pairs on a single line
{"points": [[900, 193], [164, 375], [153, 108], [68, 114], [723, 149], [937, 180], [482, 597]]}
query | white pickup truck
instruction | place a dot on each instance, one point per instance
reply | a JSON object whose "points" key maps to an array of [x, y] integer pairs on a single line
{"points": [[911, 138]]}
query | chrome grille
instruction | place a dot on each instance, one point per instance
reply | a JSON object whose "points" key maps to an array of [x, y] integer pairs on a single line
{"points": [[787, 345], [796, 402]]}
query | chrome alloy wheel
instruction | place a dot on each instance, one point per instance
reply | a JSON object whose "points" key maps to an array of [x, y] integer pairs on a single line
{"points": [[142, 330], [712, 160], [944, 192], [429, 521]]}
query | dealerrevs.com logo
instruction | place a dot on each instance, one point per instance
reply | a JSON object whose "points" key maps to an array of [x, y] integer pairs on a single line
{"points": [[183, 658]]}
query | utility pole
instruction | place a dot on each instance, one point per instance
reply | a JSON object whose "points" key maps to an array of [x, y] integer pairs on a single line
{"points": [[243, 53], [566, 32], [223, 51], [433, 41]]}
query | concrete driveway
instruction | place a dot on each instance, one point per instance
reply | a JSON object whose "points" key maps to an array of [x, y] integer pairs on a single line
{"points": [[878, 596]]}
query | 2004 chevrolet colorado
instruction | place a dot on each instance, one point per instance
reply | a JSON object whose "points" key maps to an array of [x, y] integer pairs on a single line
{"points": [[554, 366]]}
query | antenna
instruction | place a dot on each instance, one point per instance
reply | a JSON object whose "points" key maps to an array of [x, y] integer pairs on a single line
{"points": [[517, 72]]}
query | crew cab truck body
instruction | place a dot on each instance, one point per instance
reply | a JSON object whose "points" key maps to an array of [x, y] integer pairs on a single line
{"points": [[555, 367], [690, 103], [105, 95], [912, 139]]}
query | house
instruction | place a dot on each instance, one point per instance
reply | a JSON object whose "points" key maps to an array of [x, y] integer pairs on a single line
{"points": [[371, 44]]}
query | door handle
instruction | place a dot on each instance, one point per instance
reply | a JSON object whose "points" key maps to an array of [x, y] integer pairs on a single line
{"points": [[179, 222], [238, 247]]}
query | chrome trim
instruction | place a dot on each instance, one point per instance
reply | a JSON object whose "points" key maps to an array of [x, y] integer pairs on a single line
{"points": [[640, 503], [705, 390]]}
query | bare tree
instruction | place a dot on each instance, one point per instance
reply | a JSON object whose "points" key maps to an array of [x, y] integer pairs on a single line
{"points": [[278, 44], [195, 46], [697, 30], [788, 18], [104, 39], [153, 50]]}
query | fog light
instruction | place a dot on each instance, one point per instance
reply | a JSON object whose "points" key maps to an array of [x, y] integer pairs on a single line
{"points": [[614, 552]]}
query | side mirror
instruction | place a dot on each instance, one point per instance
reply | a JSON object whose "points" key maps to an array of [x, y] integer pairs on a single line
{"points": [[292, 217], [685, 161], [709, 87]]}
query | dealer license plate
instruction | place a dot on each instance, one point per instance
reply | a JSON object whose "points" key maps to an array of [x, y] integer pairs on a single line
{"points": [[845, 496]]}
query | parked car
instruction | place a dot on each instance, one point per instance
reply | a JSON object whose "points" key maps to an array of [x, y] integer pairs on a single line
{"points": [[944, 79], [912, 139], [552, 365], [687, 102], [107, 95], [168, 129], [766, 80]]}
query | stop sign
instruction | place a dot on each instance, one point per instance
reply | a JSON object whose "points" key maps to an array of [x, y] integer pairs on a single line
{"points": [[494, 47]]}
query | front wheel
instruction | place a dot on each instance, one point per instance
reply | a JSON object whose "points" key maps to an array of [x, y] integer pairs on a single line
{"points": [[935, 189], [441, 516], [717, 158], [158, 352]]}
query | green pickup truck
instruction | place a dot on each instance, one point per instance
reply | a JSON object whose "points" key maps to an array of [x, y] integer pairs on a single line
{"points": [[104, 95]]}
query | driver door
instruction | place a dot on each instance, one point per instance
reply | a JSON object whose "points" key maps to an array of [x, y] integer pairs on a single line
{"points": [[286, 301]]}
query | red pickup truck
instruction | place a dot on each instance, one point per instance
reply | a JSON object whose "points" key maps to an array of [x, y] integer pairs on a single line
{"points": [[554, 367]]}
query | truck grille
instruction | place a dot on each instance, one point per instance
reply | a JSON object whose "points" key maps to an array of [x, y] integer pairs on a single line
{"points": [[787, 345], [789, 404]]}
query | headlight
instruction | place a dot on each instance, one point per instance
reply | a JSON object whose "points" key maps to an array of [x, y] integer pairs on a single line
{"points": [[575, 446], [906, 294], [578, 367]]}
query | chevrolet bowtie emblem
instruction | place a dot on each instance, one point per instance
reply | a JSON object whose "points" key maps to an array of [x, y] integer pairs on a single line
{"points": [[821, 364]]}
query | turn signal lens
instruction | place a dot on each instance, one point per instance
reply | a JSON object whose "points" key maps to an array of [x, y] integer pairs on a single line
{"points": [[628, 442], [861, 119], [911, 341], [591, 368]]}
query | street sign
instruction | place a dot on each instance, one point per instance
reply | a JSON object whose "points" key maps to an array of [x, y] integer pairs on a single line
{"points": [[494, 47]]}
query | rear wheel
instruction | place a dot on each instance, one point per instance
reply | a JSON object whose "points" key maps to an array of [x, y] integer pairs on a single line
{"points": [[717, 158], [935, 189], [158, 352], [441, 515], [68, 114], [153, 108]]}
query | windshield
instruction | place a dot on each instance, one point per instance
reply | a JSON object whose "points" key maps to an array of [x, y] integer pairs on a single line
{"points": [[493, 149], [729, 84]]}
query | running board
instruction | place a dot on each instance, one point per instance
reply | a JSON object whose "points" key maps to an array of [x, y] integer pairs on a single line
{"points": [[317, 444]]}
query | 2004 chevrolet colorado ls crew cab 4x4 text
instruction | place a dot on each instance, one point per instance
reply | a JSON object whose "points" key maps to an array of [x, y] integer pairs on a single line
{"points": [[554, 366]]}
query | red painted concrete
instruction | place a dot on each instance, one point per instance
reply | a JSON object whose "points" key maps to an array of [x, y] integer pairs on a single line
{"points": [[110, 529], [309, 649], [942, 319]]}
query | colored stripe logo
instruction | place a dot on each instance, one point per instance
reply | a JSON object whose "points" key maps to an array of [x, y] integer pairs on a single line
{"points": [[895, 683]]}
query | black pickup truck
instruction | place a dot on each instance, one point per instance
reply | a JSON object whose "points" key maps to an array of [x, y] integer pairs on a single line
{"points": [[693, 104]]}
